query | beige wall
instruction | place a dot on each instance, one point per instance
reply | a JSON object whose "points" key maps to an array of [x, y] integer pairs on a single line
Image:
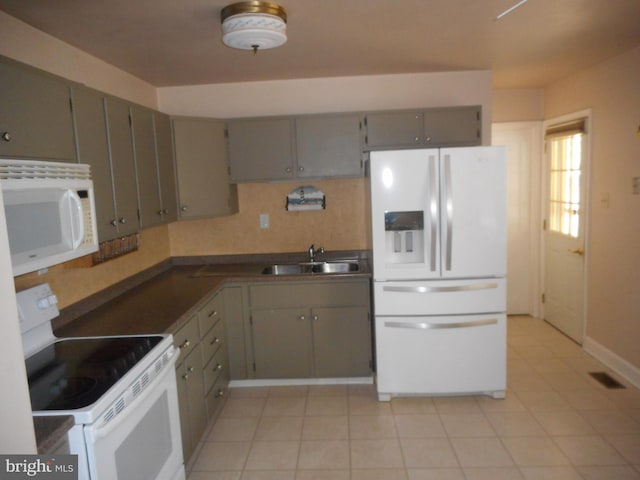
{"points": [[518, 105], [611, 90], [342, 225], [24, 43]]}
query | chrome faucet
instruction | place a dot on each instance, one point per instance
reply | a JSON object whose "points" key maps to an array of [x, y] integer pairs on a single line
{"points": [[313, 252]]}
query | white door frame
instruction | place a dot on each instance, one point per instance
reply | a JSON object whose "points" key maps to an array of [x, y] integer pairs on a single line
{"points": [[586, 114]]}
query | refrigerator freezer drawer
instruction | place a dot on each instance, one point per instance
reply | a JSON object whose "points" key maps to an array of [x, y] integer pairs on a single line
{"points": [[440, 297], [441, 355]]}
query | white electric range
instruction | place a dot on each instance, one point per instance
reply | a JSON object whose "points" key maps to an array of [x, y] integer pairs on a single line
{"points": [[121, 392]]}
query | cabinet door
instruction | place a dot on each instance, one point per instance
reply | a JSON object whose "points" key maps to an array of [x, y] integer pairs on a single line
{"points": [[328, 146], [92, 147], [393, 130], [341, 341], [282, 343], [146, 167], [260, 149], [183, 405], [453, 126], [166, 167], [193, 409], [122, 165], [35, 117], [203, 178], [235, 317]]}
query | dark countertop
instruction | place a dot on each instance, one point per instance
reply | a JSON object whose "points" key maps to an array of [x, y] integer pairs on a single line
{"points": [[159, 301]]}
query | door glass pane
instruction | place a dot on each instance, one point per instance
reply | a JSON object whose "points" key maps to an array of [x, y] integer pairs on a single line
{"points": [[564, 187]]}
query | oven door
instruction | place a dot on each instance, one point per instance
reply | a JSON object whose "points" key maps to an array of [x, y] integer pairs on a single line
{"points": [[143, 441]]}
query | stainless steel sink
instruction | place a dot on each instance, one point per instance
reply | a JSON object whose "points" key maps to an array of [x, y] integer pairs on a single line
{"points": [[311, 267]]}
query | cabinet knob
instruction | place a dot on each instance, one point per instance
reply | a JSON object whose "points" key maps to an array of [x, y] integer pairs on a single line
{"points": [[6, 136], [428, 139], [416, 139], [220, 393], [185, 344], [288, 169], [165, 211], [301, 169], [122, 220], [315, 317], [184, 208], [160, 212], [218, 367], [190, 369], [215, 340], [185, 376], [113, 223], [302, 317], [213, 313]]}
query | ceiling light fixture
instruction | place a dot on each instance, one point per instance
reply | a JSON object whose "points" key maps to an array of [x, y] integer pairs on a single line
{"points": [[254, 25]]}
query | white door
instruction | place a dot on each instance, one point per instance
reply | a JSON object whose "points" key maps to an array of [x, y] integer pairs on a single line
{"points": [[524, 160], [564, 231], [473, 212]]}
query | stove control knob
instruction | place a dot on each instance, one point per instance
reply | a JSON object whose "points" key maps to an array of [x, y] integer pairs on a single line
{"points": [[43, 303]]}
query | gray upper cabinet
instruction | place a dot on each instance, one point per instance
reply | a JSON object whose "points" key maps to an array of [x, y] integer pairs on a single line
{"points": [[433, 127], [35, 115], [166, 167], [452, 127], [122, 166], [261, 149], [142, 126], [393, 130], [92, 146], [328, 146], [201, 163]]}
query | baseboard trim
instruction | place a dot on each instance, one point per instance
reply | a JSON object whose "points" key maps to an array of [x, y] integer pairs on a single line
{"points": [[622, 367], [287, 382]]}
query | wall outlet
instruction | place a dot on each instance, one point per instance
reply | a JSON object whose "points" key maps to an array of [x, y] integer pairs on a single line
{"points": [[264, 220]]}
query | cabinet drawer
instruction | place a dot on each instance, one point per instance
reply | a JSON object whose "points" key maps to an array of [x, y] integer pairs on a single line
{"points": [[187, 337], [440, 297], [216, 397], [217, 367], [214, 340], [210, 314], [305, 294]]}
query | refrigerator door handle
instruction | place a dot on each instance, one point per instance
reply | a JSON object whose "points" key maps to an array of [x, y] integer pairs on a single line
{"points": [[453, 288], [433, 212], [449, 211], [435, 326]]}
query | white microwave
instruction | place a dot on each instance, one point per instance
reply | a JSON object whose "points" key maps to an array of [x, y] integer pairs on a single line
{"points": [[50, 212]]}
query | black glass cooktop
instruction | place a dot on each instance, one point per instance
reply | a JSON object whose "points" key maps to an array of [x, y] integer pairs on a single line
{"points": [[74, 373]]}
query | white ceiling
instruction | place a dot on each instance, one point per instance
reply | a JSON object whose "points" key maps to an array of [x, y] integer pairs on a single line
{"points": [[178, 42]]}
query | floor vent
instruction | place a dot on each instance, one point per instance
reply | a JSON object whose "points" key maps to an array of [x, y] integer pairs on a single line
{"points": [[607, 380]]}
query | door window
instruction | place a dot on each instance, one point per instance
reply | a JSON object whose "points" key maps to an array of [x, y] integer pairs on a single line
{"points": [[564, 189]]}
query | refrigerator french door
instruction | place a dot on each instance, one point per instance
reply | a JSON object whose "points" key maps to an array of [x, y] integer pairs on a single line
{"points": [[438, 225]]}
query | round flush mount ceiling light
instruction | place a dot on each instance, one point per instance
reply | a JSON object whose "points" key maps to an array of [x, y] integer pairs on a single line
{"points": [[254, 25]]}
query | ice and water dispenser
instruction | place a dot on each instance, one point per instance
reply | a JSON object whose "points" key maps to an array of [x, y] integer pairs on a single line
{"points": [[404, 235]]}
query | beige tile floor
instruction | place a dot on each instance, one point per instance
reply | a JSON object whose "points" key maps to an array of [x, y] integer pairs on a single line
{"points": [[556, 423]]}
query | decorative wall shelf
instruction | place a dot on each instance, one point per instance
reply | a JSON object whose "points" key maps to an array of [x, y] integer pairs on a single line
{"points": [[306, 197]]}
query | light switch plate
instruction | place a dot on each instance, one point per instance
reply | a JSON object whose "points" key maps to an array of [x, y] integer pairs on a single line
{"points": [[264, 220]]}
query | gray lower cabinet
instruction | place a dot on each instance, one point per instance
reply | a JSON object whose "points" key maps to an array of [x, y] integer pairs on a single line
{"points": [[202, 372], [310, 329], [201, 161], [35, 115], [432, 127]]}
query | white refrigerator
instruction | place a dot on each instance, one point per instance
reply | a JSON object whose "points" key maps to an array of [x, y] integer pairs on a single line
{"points": [[439, 233]]}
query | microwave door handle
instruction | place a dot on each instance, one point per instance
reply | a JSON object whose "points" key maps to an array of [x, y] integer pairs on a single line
{"points": [[77, 225]]}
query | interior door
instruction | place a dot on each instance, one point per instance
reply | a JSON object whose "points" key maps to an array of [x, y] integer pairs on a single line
{"points": [[473, 212], [564, 233], [524, 159]]}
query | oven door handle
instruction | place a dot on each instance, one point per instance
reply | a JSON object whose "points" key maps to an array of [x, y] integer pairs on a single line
{"points": [[106, 428]]}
